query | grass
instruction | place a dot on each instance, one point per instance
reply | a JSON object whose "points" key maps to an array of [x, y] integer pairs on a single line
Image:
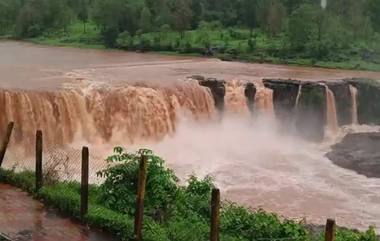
{"points": [[73, 36]]}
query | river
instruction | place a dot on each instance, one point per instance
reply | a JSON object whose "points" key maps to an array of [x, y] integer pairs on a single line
{"points": [[251, 161]]}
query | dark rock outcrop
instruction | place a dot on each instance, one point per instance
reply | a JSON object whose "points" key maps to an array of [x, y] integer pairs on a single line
{"points": [[218, 90], [343, 101], [311, 112], [285, 94], [359, 152], [250, 94], [368, 100]]}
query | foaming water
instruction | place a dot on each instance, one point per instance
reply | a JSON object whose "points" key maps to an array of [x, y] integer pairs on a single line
{"points": [[250, 159], [277, 172]]}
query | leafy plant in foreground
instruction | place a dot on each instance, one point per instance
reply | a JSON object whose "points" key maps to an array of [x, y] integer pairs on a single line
{"points": [[118, 192]]}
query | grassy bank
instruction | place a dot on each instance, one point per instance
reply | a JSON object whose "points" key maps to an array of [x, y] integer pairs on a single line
{"points": [[172, 212], [227, 44]]}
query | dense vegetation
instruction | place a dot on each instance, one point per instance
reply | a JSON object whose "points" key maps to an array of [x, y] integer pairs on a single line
{"points": [[344, 34], [172, 212]]}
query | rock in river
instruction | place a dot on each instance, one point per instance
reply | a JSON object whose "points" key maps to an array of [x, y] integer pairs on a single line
{"points": [[359, 152]]}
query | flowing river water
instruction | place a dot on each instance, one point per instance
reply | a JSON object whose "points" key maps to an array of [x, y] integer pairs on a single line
{"points": [[106, 98]]}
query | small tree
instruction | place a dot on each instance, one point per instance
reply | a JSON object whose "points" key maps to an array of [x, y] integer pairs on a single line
{"points": [[302, 27], [249, 14], [146, 20], [182, 16], [83, 13]]}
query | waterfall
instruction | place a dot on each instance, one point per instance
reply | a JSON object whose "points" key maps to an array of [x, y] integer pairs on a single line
{"points": [[264, 101], [332, 118], [235, 99], [117, 114], [354, 104], [298, 97]]}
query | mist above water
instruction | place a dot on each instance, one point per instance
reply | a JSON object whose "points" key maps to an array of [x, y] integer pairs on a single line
{"points": [[258, 164]]}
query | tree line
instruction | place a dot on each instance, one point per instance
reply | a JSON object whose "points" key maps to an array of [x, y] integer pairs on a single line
{"points": [[301, 24]]}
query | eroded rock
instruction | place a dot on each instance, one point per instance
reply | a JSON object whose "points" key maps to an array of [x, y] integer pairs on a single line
{"points": [[218, 90], [285, 94], [250, 94], [311, 112], [359, 152]]}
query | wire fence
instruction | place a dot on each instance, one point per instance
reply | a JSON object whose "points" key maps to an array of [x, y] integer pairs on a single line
{"points": [[67, 163], [60, 162]]}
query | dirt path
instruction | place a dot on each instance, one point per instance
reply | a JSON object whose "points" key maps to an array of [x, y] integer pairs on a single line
{"points": [[22, 218]]}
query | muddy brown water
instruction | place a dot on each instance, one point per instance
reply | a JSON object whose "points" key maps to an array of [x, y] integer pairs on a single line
{"points": [[30, 66], [251, 161]]}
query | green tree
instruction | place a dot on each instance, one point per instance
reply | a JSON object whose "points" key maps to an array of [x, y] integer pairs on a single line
{"points": [[302, 28], [276, 17], [146, 20], [249, 14], [182, 16], [83, 13], [374, 12]]}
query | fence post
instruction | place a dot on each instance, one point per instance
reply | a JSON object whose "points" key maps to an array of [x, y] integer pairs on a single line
{"points": [[84, 184], [6, 141], [39, 144], [215, 210], [140, 197], [330, 230]]}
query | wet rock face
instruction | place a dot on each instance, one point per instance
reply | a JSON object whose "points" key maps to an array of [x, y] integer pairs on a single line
{"points": [[343, 101], [368, 100], [218, 90], [359, 152], [285, 94], [250, 94], [310, 114]]}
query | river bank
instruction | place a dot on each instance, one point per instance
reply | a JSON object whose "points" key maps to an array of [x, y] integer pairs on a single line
{"points": [[349, 64], [266, 50]]}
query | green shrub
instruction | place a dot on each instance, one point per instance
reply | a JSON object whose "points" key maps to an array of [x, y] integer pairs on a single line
{"points": [[109, 35], [238, 221], [124, 40], [118, 191]]}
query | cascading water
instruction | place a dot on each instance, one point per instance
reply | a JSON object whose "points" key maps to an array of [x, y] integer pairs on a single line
{"points": [[298, 97], [264, 101], [332, 117], [100, 115], [235, 99], [354, 106]]}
